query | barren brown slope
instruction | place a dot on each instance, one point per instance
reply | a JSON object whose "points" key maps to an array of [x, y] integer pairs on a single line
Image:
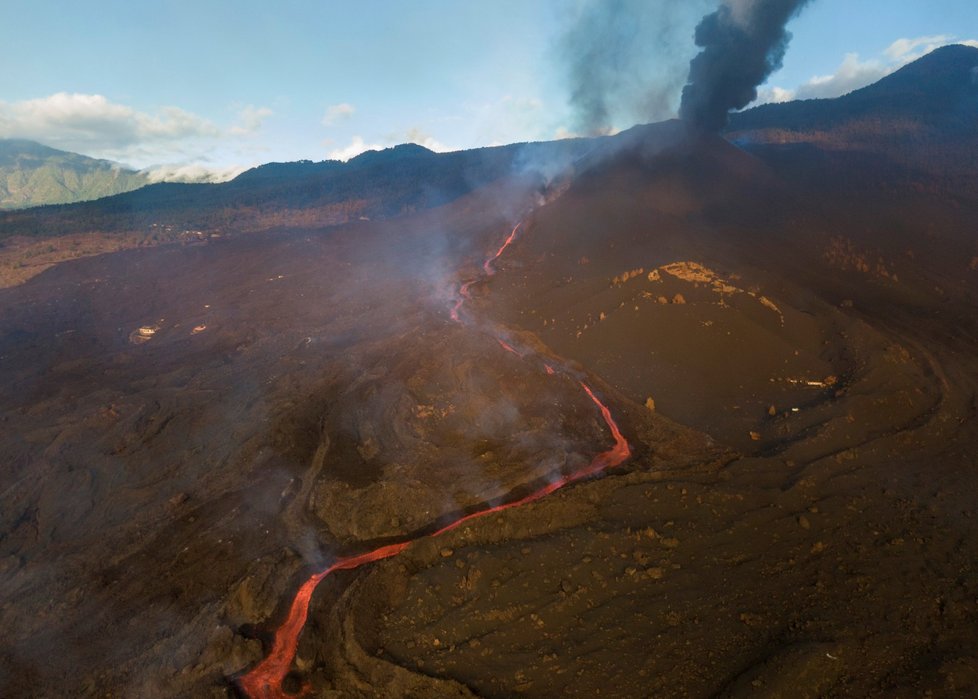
{"points": [[306, 394], [829, 558], [922, 116]]}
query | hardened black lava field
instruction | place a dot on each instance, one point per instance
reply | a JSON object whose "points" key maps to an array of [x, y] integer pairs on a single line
{"points": [[782, 325]]}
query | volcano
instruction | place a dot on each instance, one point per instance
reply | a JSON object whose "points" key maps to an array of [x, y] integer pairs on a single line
{"points": [[658, 414]]}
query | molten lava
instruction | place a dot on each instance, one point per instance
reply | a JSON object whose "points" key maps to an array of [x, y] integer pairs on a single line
{"points": [[487, 265], [264, 681], [463, 293], [508, 347], [463, 290], [603, 461]]}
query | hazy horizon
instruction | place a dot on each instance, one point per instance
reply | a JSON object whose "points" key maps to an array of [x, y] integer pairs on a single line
{"points": [[187, 89]]}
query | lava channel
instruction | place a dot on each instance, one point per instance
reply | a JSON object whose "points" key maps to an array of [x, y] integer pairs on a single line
{"points": [[508, 347], [264, 681], [463, 293], [488, 264]]}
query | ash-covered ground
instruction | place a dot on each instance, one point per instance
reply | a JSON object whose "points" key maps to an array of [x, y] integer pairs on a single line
{"points": [[191, 431]]}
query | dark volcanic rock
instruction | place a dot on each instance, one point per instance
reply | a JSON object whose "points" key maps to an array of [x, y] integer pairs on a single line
{"points": [[305, 394]]}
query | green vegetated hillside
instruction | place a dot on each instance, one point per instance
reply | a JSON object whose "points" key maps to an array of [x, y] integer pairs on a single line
{"points": [[33, 175]]}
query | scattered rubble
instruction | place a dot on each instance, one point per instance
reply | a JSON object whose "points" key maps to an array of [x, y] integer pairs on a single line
{"points": [[144, 333]]}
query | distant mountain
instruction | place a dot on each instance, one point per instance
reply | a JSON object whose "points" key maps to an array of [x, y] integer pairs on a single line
{"points": [[375, 184], [924, 115], [32, 174], [914, 131]]}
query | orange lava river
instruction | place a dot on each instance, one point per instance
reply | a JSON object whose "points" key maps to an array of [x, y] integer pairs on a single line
{"points": [[264, 681]]}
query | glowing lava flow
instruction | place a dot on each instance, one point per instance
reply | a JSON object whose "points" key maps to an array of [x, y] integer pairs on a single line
{"points": [[605, 460], [487, 265], [463, 290], [264, 681], [508, 347], [463, 293]]}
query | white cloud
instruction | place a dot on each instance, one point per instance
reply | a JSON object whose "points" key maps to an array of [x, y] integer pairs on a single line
{"points": [[193, 172], [851, 74], [358, 145], [338, 112], [416, 135], [854, 73], [903, 51], [774, 94], [93, 124], [354, 148], [250, 120]]}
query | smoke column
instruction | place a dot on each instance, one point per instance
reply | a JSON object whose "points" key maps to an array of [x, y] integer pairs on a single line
{"points": [[625, 60], [742, 43]]}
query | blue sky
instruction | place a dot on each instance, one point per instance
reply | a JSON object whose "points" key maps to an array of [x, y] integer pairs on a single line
{"points": [[217, 85]]}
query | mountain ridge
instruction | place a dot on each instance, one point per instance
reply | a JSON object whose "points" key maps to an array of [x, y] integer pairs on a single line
{"points": [[783, 337], [872, 130], [923, 115], [33, 174]]}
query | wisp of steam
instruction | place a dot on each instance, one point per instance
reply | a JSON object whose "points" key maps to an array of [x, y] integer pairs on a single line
{"points": [[742, 43]]}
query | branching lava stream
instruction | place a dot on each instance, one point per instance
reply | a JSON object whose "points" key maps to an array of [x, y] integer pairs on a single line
{"points": [[264, 681]]}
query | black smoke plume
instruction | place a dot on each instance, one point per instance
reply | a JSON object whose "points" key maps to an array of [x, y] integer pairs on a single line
{"points": [[742, 43]]}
